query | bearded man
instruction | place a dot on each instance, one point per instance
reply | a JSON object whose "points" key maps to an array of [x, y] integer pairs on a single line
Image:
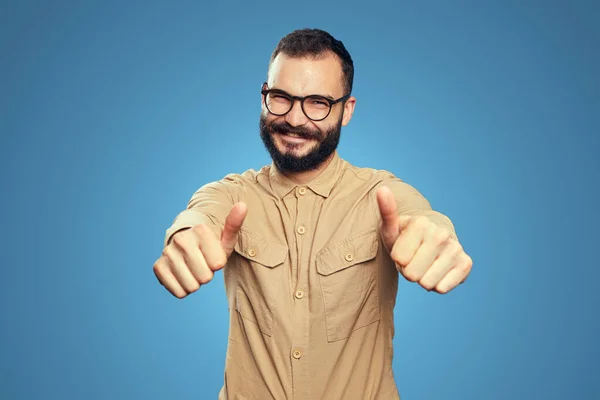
{"points": [[311, 246]]}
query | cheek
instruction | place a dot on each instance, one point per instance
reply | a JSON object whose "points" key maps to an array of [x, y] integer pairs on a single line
{"points": [[323, 129], [268, 117], [265, 113], [320, 126]]}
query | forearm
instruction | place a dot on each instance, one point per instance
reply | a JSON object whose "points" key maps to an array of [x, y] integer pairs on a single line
{"points": [[410, 201], [209, 205], [188, 219]]}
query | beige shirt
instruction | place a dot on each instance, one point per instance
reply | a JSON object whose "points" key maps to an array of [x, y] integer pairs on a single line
{"points": [[310, 287]]}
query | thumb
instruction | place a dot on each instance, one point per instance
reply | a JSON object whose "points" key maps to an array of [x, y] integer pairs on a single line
{"points": [[233, 223], [390, 228]]}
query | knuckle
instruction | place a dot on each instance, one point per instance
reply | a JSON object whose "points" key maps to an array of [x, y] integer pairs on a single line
{"points": [[158, 270], [180, 295], [411, 276], [205, 278], [468, 260], [403, 261], [158, 267], [399, 258], [441, 236], [179, 239], [453, 250], [427, 285], [421, 221], [167, 252], [192, 287], [218, 263], [467, 265], [442, 289], [200, 229], [456, 247]]}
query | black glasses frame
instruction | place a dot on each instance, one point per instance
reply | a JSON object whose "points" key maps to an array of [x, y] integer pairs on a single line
{"points": [[331, 102]]}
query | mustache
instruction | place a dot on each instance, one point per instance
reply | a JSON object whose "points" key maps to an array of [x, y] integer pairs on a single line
{"points": [[284, 128]]}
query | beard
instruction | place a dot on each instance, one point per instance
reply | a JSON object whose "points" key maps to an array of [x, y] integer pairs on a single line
{"points": [[327, 143]]}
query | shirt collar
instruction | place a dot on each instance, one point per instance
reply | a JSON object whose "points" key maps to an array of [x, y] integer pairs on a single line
{"points": [[321, 185]]}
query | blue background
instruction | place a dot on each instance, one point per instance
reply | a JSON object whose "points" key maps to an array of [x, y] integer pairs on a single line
{"points": [[114, 113]]}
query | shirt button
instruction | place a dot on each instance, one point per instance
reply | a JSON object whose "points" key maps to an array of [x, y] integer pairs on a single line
{"points": [[299, 294], [302, 191], [349, 257], [297, 354], [301, 229], [252, 252]]}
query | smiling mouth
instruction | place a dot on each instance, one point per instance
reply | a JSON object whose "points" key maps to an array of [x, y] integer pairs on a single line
{"points": [[291, 137], [296, 136]]}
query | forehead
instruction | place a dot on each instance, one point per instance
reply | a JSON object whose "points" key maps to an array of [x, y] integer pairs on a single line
{"points": [[306, 75]]}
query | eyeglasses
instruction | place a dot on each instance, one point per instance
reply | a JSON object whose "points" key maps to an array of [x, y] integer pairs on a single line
{"points": [[315, 107]]}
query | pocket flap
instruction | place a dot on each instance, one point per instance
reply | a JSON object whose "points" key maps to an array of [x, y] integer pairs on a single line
{"points": [[255, 247], [356, 249]]}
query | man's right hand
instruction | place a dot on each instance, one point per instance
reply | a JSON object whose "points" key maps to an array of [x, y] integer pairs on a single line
{"points": [[192, 256]]}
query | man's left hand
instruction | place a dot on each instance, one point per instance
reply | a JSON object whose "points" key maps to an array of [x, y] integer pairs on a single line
{"points": [[423, 251]]}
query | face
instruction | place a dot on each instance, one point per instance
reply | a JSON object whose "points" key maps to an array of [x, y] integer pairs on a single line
{"points": [[295, 142]]}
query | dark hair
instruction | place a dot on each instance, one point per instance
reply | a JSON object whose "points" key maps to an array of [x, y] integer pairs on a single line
{"points": [[316, 43]]}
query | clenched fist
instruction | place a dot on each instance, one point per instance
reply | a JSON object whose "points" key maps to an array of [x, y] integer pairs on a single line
{"points": [[423, 252], [192, 256]]}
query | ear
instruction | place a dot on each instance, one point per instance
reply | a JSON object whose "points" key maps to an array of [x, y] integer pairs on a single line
{"points": [[348, 110], [262, 96]]}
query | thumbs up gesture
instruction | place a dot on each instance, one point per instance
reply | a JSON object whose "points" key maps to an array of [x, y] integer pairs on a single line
{"points": [[423, 252], [192, 256]]}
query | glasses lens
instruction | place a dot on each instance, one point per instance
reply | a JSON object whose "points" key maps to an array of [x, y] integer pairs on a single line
{"points": [[278, 103], [316, 107]]}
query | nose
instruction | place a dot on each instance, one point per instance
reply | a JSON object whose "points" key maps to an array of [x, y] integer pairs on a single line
{"points": [[296, 117]]}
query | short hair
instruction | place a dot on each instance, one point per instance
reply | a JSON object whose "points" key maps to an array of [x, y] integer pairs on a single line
{"points": [[316, 43]]}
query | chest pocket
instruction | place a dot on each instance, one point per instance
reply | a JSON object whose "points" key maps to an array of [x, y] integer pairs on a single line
{"points": [[258, 278], [348, 277]]}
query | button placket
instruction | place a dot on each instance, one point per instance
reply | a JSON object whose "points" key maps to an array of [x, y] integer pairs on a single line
{"points": [[304, 203]]}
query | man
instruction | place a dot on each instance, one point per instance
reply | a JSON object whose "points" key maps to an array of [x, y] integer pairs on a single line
{"points": [[310, 246]]}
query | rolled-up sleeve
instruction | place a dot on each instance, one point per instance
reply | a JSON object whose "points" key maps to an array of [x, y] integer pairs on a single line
{"points": [[209, 205], [410, 201]]}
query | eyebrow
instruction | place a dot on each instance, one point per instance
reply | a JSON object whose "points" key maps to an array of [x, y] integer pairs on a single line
{"points": [[312, 94]]}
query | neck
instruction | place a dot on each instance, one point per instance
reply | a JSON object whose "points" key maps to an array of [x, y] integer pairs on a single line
{"points": [[304, 177]]}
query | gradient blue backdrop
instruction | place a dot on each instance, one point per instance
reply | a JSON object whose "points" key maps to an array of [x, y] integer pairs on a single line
{"points": [[114, 113]]}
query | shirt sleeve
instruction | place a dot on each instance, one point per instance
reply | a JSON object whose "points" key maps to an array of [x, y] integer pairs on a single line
{"points": [[411, 202], [209, 205]]}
